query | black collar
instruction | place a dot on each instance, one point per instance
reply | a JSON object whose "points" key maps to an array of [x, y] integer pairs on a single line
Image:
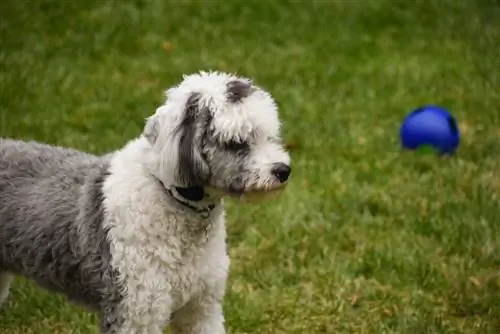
{"points": [[192, 194], [188, 197]]}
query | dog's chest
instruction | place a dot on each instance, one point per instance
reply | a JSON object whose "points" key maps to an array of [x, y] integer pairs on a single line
{"points": [[174, 281], [187, 282]]}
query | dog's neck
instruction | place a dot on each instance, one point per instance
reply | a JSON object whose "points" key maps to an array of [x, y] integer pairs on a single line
{"points": [[194, 198]]}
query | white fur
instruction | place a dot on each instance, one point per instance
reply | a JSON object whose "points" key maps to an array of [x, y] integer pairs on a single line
{"points": [[173, 274], [163, 266], [257, 113]]}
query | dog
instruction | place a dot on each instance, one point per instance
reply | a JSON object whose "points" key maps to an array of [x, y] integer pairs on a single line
{"points": [[138, 235]]}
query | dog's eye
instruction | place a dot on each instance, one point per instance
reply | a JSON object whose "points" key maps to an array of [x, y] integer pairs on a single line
{"points": [[235, 145]]}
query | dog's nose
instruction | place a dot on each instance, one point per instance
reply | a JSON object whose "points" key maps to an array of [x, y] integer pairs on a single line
{"points": [[281, 171]]}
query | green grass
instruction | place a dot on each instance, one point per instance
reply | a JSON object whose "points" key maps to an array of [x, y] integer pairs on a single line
{"points": [[367, 239]]}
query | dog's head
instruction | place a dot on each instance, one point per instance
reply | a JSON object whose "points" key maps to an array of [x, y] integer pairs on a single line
{"points": [[219, 131]]}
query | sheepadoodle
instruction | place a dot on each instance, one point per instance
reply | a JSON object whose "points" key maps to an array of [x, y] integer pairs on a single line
{"points": [[138, 235]]}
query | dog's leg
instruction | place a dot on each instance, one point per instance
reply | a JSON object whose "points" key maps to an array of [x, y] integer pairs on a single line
{"points": [[107, 328], [5, 279], [115, 321], [200, 317], [113, 327]]}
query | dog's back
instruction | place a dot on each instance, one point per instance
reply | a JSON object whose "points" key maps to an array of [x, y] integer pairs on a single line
{"points": [[50, 216], [36, 179]]}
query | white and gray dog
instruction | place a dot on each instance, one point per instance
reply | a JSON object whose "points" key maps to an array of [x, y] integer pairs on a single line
{"points": [[138, 235]]}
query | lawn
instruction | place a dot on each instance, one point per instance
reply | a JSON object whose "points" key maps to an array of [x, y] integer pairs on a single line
{"points": [[367, 238]]}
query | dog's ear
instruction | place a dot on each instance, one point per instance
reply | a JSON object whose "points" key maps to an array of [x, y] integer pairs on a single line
{"points": [[193, 170], [151, 129], [237, 90]]}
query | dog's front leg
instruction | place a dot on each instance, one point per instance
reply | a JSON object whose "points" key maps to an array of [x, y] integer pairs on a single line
{"points": [[126, 327], [199, 317], [115, 322]]}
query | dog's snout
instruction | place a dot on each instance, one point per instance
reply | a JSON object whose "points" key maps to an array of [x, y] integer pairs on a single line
{"points": [[281, 171]]}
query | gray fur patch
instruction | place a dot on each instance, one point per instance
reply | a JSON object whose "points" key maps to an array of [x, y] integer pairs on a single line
{"points": [[51, 224], [228, 164], [192, 169], [238, 90]]}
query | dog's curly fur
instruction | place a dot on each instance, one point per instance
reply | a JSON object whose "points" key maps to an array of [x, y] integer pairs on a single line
{"points": [[138, 235]]}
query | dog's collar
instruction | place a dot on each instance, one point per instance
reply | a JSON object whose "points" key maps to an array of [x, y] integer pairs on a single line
{"points": [[192, 194], [189, 198]]}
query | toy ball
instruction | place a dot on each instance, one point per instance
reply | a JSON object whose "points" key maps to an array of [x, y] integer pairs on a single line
{"points": [[430, 127]]}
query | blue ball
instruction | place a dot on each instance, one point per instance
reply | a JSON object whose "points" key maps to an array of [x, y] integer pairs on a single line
{"points": [[430, 126]]}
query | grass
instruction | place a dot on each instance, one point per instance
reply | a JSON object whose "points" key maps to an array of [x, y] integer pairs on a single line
{"points": [[367, 238]]}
